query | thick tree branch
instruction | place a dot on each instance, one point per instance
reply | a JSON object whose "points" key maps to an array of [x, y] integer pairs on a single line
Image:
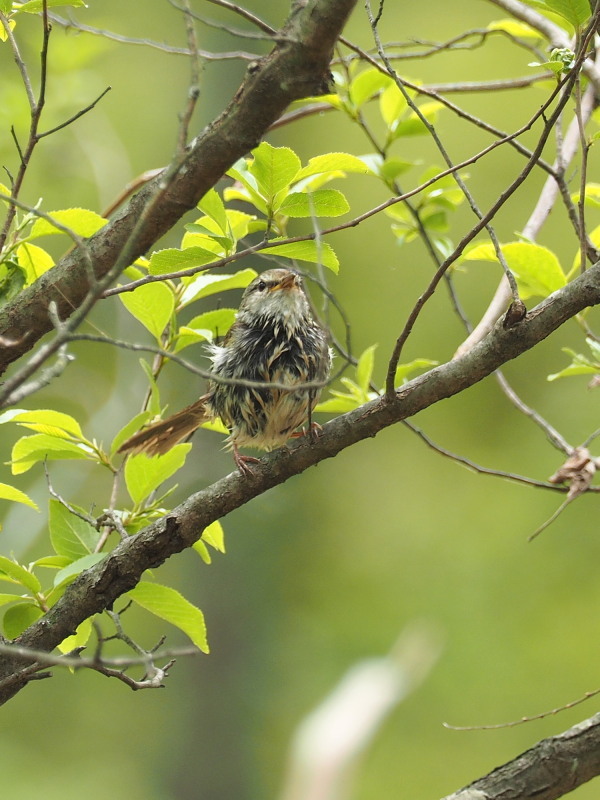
{"points": [[297, 67], [552, 768], [98, 588]]}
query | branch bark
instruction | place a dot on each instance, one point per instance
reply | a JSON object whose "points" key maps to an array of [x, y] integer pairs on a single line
{"points": [[99, 587], [552, 768], [297, 67]]}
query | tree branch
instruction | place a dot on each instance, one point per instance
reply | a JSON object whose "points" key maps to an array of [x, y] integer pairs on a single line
{"points": [[298, 66], [552, 768], [98, 588]]}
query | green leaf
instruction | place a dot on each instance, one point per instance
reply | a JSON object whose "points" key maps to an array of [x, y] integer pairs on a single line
{"points": [[364, 368], [393, 167], [321, 253], [592, 195], [392, 105], [16, 496], [577, 12], [78, 639], [320, 203], [366, 84], [214, 536], [9, 598], [46, 420], [171, 606], [52, 562], [18, 618], [537, 269], [212, 205], [332, 162], [202, 551], [19, 574], [187, 336], [216, 322], [143, 474], [580, 365], [274, 168], [514, 28], [29, 450], [152, 305], [81, 221], [205, 285], [413, 125], [403, 371], [129, 429], [153, 405], [163, 262], [34, 261], [70, 535], [75, 568]]}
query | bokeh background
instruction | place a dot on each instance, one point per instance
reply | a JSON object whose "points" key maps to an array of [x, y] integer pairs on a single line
{"points": [[328, 569]]}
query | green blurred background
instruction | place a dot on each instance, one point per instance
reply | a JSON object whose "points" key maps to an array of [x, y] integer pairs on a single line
{"points": [[329, 568]]}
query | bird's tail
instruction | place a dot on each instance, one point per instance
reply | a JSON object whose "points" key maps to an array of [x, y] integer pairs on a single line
{"points": [[160, 437]]}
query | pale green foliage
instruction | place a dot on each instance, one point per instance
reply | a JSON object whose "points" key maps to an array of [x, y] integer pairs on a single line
{"points": [[282, 200], [536, 268]]}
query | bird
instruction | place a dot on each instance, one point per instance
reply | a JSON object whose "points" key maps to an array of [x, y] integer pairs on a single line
{"points": [[274, 340]]}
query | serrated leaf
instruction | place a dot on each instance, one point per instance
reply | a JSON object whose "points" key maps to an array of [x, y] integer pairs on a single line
{"points": [[337, 405], [364, 368], [170, 605], [19, 574], [52, 562], [577, 12], [214, 535], [205, 285], [366, 84], [154, 403], [143, 474], [212, 205], [320, 203], [81, 221], [45, 420], [403, 371], [75, 568], [514, 28], [216, 322], [332, 162], [19, 617], [4, 36], [34, 261], [537, 269], [310, 250], [592, 195], [187, 336], [129, 429], [79, 639], [392, 105], [29, 450], [16, 496], [413, 125], [70, 535], [274, 168], [202, 551], [6, 598], [393, 167], [163, 262], [152, 305]]}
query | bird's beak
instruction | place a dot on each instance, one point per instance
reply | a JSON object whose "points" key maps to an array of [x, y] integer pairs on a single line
{"points": [[289, 282]]}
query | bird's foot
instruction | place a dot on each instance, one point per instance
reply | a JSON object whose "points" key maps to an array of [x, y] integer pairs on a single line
{"points": [[314, 431], [243, 462]]}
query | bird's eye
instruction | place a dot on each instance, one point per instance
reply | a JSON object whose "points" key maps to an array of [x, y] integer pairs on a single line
{"points": [[261, 286]]}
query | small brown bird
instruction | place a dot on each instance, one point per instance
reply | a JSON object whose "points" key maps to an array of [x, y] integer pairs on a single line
{"points": [[273, 340]]}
